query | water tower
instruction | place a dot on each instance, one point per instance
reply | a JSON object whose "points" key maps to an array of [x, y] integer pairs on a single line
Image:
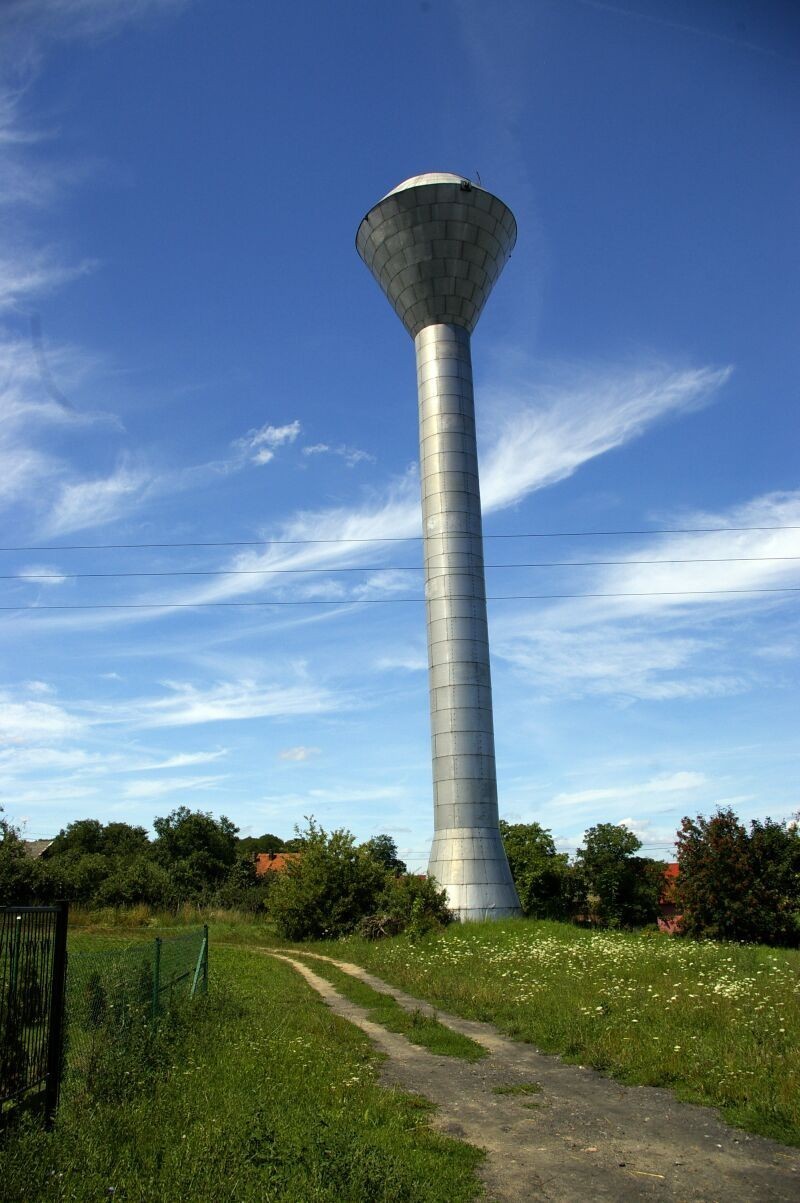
{"points": [[436, 245]]}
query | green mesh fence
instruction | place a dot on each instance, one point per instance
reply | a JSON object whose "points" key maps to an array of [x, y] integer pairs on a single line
{"points": [[115, 993]]}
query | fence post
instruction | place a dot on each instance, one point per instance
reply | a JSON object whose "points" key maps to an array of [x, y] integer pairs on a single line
{"points": [[55, 1035], [201, 968], [156, 976], [16, 943]]}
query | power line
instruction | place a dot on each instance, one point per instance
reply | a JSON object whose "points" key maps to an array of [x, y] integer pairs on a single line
{"points": [[389, 601], [84, 576], [562, 534]]}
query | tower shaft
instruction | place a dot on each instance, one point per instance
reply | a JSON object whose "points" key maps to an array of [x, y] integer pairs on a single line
{"points": [[467, 856]]}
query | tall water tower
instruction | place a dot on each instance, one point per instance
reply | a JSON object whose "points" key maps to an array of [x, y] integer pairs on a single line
{"points": [[436, 245]]}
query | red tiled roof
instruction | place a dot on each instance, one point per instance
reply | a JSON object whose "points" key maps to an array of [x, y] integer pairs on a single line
{"points": [[274, 862]]}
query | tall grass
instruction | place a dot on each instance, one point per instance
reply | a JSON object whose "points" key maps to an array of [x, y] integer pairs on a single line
{"points": [[718, 1023], [256, 1093]]}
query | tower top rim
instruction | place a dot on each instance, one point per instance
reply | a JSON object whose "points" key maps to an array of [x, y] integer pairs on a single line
{"points": [[429, 177]]}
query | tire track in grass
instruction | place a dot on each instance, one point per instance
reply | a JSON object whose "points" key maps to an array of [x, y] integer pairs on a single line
{"points": [[589, 1139]]}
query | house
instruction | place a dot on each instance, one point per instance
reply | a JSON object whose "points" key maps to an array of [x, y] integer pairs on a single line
{"points": [[669, 920], [274, 862], [34, 849]]}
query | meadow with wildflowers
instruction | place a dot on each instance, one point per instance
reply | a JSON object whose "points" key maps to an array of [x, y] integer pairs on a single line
{"points": [[718, 1023]]}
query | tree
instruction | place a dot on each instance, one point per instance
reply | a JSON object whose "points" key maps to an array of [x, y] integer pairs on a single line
{"points": [[82, 836], [141, 879], [620, 889], [17, 873], [542, 875], [383, 849], [251, 844], [197, 850], [243, 889], [326, 891], [735, 885]]}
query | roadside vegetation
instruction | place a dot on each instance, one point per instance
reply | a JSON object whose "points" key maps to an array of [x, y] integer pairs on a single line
{"points": [[732, 883], [256, 1093]]}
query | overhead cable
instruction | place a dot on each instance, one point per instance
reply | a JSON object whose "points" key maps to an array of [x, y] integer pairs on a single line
{"points": [[84, 576], [390, 601], [556, 534]]}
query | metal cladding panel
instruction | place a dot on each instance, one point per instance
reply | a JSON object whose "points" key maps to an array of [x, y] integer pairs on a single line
{"points": [[460, 743], [448, 722], [436, 245]]}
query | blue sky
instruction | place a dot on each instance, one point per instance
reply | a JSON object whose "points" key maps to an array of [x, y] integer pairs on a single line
{"points": [[191, 352]]}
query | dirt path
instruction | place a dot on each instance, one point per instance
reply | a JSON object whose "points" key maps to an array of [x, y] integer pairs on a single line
{"points": [[583, 1137]]}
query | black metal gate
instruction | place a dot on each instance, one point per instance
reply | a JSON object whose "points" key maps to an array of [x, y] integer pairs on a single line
{"points": [[33, 960]]}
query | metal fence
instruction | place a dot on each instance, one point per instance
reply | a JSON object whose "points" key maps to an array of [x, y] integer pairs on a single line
{"points": [[33, 942], [113, 990], [62, 1015]]}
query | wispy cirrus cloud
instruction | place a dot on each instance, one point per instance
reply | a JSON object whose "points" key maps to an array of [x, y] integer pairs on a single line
{"points": [[533, 439], [670, 783], [158, 787], [225, 701], [527, 448], [259, 446], [181, 760], [98, 501], [577, 416], [36, 21], [655, 631], [350, 455]]}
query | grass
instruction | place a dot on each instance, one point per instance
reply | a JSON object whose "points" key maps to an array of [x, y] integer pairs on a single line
{"points": [[385, 1010], [718, 1023], [518, 1088], [256, 1093]]}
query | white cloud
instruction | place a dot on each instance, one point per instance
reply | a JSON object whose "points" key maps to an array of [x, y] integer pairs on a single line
{"points": [[672, 642], [40, 759], [39, 687], [86, 503], [227, 701], [350, 455], [387, 582], [669, 783], [576, 420], [157, 787], [26, 722], [405, 661], [299, 753], [259, 445], [42, 574], [181, 760], [44, 19]]}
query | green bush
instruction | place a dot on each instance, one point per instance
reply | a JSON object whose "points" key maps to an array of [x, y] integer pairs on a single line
{"points": [[414, 905], [325, 893], [739, 885], [619, 889], [543, 877]]}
